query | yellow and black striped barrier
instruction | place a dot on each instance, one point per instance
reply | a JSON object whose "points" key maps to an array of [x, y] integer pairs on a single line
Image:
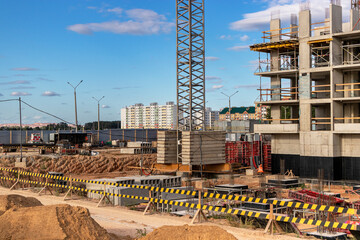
{"points": [[237, 212], [299, 205]]}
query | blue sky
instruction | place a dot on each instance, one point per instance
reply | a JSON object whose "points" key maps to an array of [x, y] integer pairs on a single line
{"points": [[123, 50]]}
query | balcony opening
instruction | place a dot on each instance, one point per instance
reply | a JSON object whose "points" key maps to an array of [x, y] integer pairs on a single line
{"points": [[351, 51], [281, 89], [320, 85], [320, 53], [349, 86], [347, 113], [320, 117]]}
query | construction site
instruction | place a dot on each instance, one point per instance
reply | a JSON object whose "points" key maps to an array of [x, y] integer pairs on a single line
{"points": [[296, 176]]}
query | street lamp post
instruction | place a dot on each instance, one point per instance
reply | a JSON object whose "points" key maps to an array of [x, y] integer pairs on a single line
{"points": [[98, 116], [230, 102], [76, 120]]}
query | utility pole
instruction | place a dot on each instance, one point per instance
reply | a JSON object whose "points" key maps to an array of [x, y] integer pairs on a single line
{"points": [[230, 102], [76, 120], [98, 137], [21, 153]]}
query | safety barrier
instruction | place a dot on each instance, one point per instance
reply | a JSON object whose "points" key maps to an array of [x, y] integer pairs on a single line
{"points": [[299, 205], [237, 212]]}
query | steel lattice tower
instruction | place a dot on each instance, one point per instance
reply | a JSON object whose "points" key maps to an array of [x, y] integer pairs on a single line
{"points": [[190, 36]]}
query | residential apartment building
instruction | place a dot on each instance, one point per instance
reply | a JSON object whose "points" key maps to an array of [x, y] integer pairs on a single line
{"points": [[243, 113], [210, 117], [314, 71], [154, 116]]}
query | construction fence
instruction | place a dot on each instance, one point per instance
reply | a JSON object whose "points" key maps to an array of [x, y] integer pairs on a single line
{"points": [[16, 177], [146, 135]]}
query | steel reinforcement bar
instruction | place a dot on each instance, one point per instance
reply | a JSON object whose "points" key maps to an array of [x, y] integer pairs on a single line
{"points": [[299, 205]]}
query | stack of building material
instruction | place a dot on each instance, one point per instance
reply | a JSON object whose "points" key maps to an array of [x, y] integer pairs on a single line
{"points": [[123, 201], [137, 148], [167, 147], [102, 187], [203, 148], [118, 143]]}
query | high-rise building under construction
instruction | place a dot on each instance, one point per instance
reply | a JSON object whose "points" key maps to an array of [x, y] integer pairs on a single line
{"points": [[314, 74]]}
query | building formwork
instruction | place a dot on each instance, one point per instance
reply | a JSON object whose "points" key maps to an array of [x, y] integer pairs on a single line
{"points": [[313, 70]]}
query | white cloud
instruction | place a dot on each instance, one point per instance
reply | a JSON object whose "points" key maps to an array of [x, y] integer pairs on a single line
{"points": [[105, 106], [213, 79], [24, 69], [247, 86], [260, 20], [19, 94], [244, 38], [37, 117], [50, 94], [226, 37], [217, 86], [141, 22], [116, 10], [211, 59], [15, 82], [238, 48]]}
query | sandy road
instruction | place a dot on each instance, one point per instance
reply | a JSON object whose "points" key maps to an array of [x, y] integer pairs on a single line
{"points": [[124, 222]]}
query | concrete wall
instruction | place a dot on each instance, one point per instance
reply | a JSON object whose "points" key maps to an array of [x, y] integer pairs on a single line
{"points": [[350, 145], [317, 144], [285, 144]]}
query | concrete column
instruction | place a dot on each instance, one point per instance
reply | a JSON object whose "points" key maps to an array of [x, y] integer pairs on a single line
{"points": [[304, 35], [337, 77], [338, 111], [276, 85], [336, 53], [276, 113], [305, 86], [305, 117], [335, 18], [304, 24], [275, 25]]}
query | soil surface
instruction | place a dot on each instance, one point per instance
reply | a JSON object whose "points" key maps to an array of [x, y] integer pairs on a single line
{"points": [[187, 232], [78, 164], [127, 224], [26, 218]]}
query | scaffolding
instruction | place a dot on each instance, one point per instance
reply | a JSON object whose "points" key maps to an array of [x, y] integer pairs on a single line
{"points": [[320, 53], [351, 52], [287, 52]]}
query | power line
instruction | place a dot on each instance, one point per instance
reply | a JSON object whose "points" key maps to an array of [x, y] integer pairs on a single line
{"points": [[52, 115], [9, 100]]}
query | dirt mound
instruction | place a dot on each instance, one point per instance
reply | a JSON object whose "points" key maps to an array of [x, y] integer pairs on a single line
{"points": [[187, 232], [16, 201], [82, 164], [50, 222]]}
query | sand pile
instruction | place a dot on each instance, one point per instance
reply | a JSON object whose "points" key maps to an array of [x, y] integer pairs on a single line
{"points": [[16, 201], [47, 222], [187, 232], [82, 164]]}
